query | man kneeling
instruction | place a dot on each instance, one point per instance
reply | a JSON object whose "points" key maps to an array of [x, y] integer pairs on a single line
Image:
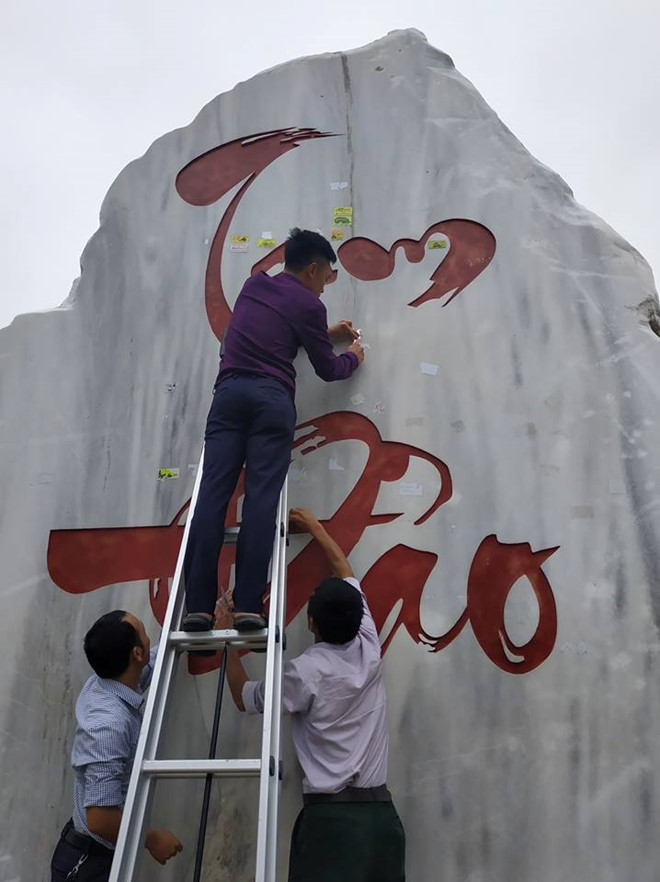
{"points": [[348, 829]]}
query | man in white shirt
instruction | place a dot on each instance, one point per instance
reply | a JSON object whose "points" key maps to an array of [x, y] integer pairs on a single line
{"points": [[348, 829]]}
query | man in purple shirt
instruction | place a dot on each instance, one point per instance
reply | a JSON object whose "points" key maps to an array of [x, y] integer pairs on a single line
{"points": [[348, 829], [253, 418]]}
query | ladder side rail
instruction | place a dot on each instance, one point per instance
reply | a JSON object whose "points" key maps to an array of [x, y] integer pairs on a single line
{"points": [[131, 831], [213, 746], [275, 783], [274, 646]]}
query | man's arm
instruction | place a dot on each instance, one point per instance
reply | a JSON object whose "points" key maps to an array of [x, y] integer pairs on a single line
{"points": [[236, 676], [296, 692], [313, 332], [306, 522], [105, 821]]}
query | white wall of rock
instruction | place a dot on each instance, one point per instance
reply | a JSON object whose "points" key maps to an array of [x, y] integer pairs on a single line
{"points": [[535, 388]]}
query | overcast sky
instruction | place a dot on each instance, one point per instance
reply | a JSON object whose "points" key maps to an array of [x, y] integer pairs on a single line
{"points": [[87, 87]]}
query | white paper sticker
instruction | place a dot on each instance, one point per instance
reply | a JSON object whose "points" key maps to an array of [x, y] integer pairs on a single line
{"points": [[299, 476], [428, 368], [339, 185], [379, 407], [357, 399], [334, 466], [266, 234], [411, 489]]}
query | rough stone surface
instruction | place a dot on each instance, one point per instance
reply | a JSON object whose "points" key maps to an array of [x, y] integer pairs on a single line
{"points": [[516, 752]]}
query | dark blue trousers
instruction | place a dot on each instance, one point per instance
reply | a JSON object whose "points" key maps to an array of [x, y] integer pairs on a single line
{"points": [[252, 420], [82, 860]]}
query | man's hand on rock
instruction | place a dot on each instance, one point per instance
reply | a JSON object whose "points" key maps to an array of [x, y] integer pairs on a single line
{"points": [[357, 348], [342, 331]]}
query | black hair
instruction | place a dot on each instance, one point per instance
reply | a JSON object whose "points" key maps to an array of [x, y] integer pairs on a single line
{"points": [[303, 247], [337, 609], [109, 643]]}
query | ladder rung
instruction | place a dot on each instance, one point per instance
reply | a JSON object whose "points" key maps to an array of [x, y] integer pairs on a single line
{"points": [[231, 535], [242, 768], [217, 639]]}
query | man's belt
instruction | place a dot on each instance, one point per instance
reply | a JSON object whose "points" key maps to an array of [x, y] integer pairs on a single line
{"points": [[80, 840], [351, 794]]}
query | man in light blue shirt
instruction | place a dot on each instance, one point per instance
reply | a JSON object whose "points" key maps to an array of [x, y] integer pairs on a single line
{"points": [[108, 715]]}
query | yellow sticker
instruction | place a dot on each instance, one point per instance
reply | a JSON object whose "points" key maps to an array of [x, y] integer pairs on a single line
{"points": [[343, 215], [266, 243], [436, 243], [338, 235], [164, 474], [239, 243]]}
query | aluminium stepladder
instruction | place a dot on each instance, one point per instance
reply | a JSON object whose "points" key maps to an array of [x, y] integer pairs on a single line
{"points": [[147, 768]]}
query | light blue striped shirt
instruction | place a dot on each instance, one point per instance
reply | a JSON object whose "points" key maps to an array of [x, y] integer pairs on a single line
{"points": [[108, 716]]}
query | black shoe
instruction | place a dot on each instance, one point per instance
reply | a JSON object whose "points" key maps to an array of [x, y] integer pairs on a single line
{"points": [[247, 622], [198, 623]]}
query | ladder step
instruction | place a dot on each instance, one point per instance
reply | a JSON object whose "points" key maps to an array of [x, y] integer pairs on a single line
{"points": [[217, 639], [243, 768]]}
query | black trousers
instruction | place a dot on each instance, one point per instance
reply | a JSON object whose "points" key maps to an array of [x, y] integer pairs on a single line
{"points": [[348, 842], [252, 420], [82, 860]]}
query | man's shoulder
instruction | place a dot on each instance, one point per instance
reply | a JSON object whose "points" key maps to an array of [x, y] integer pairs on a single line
{"points": [[295, 291], [99, 708]]}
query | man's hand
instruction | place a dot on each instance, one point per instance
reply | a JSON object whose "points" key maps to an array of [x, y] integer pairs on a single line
{"points": [[343, 330], [162, 845], [302, 519], [224, 613], [357, 348]]}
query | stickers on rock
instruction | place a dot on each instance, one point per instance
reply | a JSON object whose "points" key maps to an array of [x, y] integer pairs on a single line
{"points": [[342, 216], [167, 474], [239, 243], [410, 489], [266, 240]]}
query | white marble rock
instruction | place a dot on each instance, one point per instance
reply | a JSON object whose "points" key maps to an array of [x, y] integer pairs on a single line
{"points": [[536, 386]]}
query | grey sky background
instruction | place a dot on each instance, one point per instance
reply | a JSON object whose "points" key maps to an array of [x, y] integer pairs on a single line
{"points": [[87, 87]]}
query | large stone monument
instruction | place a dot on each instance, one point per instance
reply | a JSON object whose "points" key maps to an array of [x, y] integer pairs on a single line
{"points": [[490, 469]]}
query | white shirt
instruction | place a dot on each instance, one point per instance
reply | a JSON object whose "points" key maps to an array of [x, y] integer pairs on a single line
{"points": [[337, 698]]}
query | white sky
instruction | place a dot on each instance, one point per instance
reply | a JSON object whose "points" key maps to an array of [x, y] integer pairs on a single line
{"points": [[87, 86]]}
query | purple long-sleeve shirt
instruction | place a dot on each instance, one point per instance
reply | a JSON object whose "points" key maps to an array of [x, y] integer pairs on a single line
{"points": [[273, 317]]}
